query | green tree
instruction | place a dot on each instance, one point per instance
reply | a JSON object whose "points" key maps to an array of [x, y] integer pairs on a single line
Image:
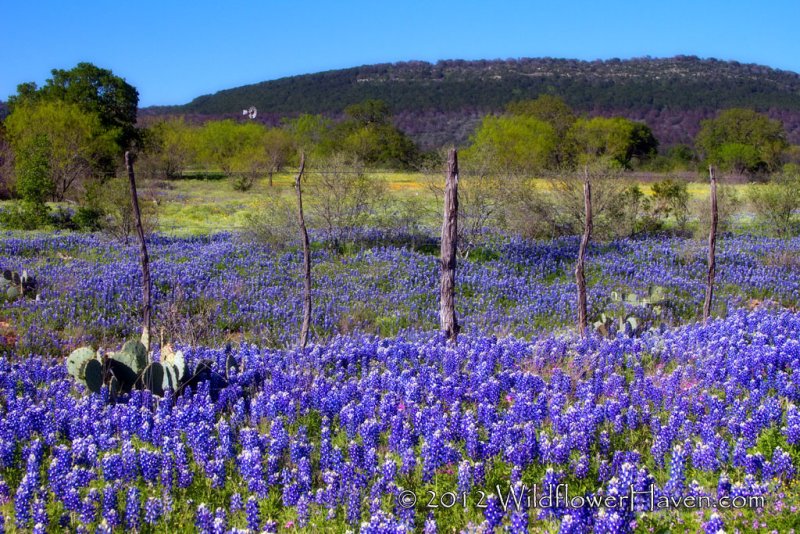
{"points": [[312, 134], [368, 112], [513, 144], [96, 91], [278, 148], [169, 147], [613, 137], [227, 144], [33, 186], [76, 140], [369, 136], [555, 112], [742, 140]]}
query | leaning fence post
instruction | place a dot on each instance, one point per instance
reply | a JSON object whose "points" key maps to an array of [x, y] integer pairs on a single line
{"points": [[301, 221], [447, 311], [580, 276], [142, 253], [712, 247]]}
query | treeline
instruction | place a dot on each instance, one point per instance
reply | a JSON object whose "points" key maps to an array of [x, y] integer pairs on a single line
{"points": [[63, 142], [683, 82]]}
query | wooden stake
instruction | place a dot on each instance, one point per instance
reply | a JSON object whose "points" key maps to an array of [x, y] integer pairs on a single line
{"points": [[712, 247], [447, 311], [580, 276], [301, 221], [145, 260]]}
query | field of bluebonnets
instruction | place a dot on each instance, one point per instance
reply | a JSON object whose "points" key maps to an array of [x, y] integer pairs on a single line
{"points": [[380, 425]]}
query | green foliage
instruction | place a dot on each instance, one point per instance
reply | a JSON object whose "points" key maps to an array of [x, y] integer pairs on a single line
{"points": [[742, 140], [616, 138], [671, 198], [555, 112], [512, 145], [33, 185], [774, 204], [634, 213], [169, 147], [225, 144], [69, 139], [312, 134], [95, 91], [685, 83], [369, 136], [368, 112]]}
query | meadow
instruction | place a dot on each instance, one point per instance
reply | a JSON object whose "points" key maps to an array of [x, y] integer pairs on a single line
{"points": [[198, 206], [380, 425]]}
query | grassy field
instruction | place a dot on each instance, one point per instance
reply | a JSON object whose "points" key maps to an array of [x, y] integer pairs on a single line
{"points": [[198, 206]]}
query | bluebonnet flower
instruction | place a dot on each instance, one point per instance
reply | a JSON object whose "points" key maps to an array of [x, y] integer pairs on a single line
{"points": [[253, 514]]}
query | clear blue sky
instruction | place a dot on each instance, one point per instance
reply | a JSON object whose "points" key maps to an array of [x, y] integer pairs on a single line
{"points": [[174, 51]]}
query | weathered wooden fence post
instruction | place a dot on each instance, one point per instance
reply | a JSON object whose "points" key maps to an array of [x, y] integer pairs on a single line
{"points": [[301, 221], [580, 276], [447, 310], [145, 260], [712, 247]]}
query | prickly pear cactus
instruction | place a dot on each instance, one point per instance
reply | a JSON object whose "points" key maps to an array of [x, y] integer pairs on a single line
{"points": [[153, 378], [14, 285], [82, 360], [93, 375], [132, 367], [174, 365]]}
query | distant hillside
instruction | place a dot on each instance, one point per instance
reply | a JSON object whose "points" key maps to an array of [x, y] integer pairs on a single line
{"points": [[440, 103]]}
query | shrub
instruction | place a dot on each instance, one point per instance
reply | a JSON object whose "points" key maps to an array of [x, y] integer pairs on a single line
{"points": [[774, 204]]}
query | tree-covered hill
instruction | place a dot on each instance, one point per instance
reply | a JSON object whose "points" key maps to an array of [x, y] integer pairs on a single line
{"points": [[438, 102]]}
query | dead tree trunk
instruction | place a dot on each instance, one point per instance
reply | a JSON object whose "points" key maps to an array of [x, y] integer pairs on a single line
{"points": [[447, 311], [301, 221], [145, 260], [580, 276], [712, 247]]}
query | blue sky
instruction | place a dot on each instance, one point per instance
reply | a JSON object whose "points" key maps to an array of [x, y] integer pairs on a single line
{"points": [[173, 52]]}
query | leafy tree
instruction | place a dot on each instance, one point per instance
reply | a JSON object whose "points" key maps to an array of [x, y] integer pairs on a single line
{"points": [[368, 112], [224, 143], [278, 148], [617, 138], [513, 144], [312, 134], [555, 112], [169, 146], [33, 186], [742, 140], [76, 140], [369, 136], [93, 89]]}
